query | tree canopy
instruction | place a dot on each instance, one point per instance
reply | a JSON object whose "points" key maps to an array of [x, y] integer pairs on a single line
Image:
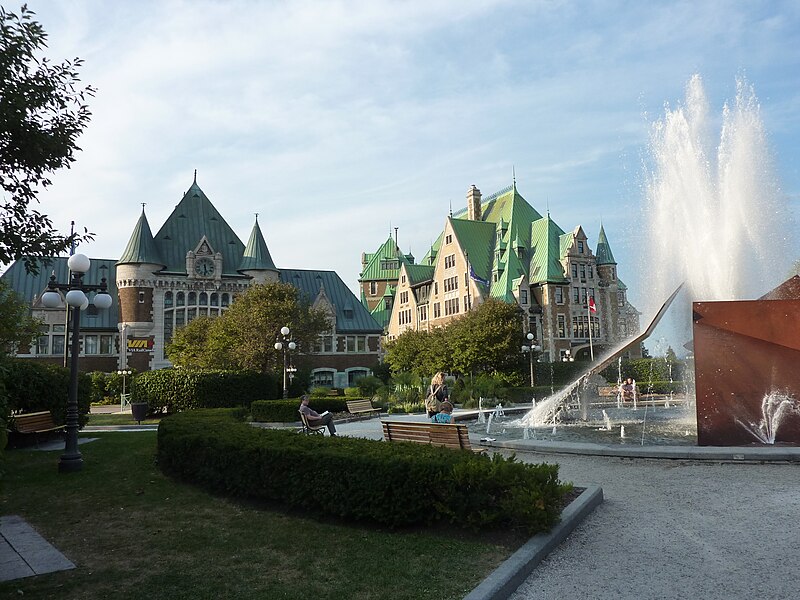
{"points": [[17, 327], [244, 336], [43, 111], [487, 339]]}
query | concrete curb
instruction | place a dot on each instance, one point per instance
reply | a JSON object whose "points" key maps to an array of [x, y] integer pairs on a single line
{"points": [[715, 453], [505, 579]]}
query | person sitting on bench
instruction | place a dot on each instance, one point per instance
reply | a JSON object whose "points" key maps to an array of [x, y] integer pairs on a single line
{"points": [[314, 418], [445, 414]]}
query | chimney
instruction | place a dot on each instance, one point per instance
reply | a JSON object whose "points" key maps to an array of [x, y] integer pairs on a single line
{"points": [[474, 203]]}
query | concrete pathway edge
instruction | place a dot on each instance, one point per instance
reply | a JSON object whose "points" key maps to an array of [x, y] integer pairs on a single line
{"points": [[505, 579]]}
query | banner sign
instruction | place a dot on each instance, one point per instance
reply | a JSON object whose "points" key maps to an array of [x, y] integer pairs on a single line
{"points": [[141, 344]]}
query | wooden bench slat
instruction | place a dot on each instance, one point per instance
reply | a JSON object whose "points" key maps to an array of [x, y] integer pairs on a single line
{"points": [[449, 436]]}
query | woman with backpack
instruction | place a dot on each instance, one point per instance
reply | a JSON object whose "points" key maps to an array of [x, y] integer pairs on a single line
{"points": [[437, 393]]}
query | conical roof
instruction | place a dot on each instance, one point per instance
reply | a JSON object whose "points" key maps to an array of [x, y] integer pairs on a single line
{"points": [[256, 256], [193, 218], [141, 247], [604, 254]]}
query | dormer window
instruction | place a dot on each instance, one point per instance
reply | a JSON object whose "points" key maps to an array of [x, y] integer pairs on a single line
{"points": [[348, 313], [580, 246]]}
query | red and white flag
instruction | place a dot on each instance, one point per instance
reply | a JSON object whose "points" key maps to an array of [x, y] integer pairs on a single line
{"points": [[592, 305]]}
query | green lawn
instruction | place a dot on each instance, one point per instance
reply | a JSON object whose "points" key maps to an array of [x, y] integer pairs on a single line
{"points": [[134, 533], [118, 419]]}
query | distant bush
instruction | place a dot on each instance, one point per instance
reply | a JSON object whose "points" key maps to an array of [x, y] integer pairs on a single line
{"points": [[33, 387], [368, 386], [646, 369], [352, 392], [358, 479], [285, 411], [320, 392], [174, 390]]}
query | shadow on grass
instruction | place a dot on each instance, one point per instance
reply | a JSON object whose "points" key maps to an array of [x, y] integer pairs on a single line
{"points": [[134, 533]]}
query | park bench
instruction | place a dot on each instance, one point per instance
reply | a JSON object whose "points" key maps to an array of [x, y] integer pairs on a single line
{"points": [[608, 391], [35, 423], [437, 434], [308, 429], [358, 407]]}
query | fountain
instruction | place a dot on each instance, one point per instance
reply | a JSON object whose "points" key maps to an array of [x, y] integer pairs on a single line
{"points": [[716, 225]]}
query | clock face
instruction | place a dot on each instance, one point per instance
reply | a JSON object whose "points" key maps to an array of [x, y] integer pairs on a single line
{"points": [[204, 267]]}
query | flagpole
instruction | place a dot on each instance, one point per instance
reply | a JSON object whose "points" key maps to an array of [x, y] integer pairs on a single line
{"points": [[589, 316]]}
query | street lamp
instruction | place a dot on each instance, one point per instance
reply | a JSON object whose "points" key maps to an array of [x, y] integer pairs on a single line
{"points": [[567, 357], [285, 343], [124, 397], [530, 349], [77, 300]]}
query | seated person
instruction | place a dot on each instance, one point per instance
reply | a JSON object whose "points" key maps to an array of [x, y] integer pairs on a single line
{"points": [[314, 418], [628, 390], [445, 414]]}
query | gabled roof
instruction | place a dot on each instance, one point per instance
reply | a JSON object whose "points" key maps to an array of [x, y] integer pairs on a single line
{"points": [[193, 218], [419, 273], [351, 315], [387, 251], [545, 263], [381, 313], [434, 251], [141, 247], [256, 256], [604, 255], [477, 239], [28, 286]]}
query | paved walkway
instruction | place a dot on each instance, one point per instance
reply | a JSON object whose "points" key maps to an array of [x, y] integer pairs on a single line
{"points": [[24, 553]]}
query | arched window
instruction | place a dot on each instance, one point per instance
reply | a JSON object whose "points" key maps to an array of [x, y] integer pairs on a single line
{"points": [[179, 299], [225, 299], [203, 299], [214, 299], [192, 299], [168, 300]]}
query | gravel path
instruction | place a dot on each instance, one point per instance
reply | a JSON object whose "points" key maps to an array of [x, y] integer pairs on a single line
{"points": [[676, 529]]}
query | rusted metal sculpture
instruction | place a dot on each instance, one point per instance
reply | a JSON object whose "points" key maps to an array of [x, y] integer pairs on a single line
{"points": [[747, 369]]}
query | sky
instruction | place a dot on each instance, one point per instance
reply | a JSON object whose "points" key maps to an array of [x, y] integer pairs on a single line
{"points": [[339, 121]]}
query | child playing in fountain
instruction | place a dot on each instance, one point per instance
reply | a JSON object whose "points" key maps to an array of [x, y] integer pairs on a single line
{"points": [[628, 390], [445, 414]]}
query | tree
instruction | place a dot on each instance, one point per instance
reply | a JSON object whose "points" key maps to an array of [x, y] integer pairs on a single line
{"points": [[42, 112], [244, 336], [17, 327]]}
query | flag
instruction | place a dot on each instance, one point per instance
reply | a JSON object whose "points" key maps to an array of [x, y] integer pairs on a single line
{"points": [[592, 305], [474, 276]]}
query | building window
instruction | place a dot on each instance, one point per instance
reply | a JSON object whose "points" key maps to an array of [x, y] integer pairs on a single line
{"points": [[523, 296], [583, 271], [214, 299], [559, 294], [225, 300], [435, 287], [437, 310], [203, 299], [403, 297], [576, 295], [90, 344], [580, 247], [583, 296], [448, 239], [326, 343], [423, 313], [591, 272], [450, 261], [179, 299], [403, 279], [373, 288], [43, 344], [621, 298], [168, 300], [323, 378], [562, 326], [451, 306], [141, 297], [451, 284], [467, 302], [574, 270], [192, 300], [354, 375], [356, 343], [390, 265]]}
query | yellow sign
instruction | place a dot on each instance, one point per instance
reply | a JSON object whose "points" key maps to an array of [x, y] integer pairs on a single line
{"points": [[141, 344]]}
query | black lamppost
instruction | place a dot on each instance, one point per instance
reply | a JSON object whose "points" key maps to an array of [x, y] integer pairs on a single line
{"points": [[530, 349], [77, 301], [285, 343]]}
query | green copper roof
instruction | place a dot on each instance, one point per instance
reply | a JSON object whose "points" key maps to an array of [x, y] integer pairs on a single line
{"points": [[621, 286], [256, 256], [381, 314], [419, 273], [477, 239], [141, 247], [430, 255], [351, 315], [193, 218], [545, 264], [28, 286], [376, 262], [604, 254]]}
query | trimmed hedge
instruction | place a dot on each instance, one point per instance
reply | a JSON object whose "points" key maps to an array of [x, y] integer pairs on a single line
{"points": [[176, 390], [285, 411], [33, 387], [396, 484]]}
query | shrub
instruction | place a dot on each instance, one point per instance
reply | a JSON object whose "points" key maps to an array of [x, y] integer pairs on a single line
{"points": [[34, 387], [368, 386], [646, 369], [175, 390], [320, 391], [359, 479], [352, 392], [285, 411]]}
